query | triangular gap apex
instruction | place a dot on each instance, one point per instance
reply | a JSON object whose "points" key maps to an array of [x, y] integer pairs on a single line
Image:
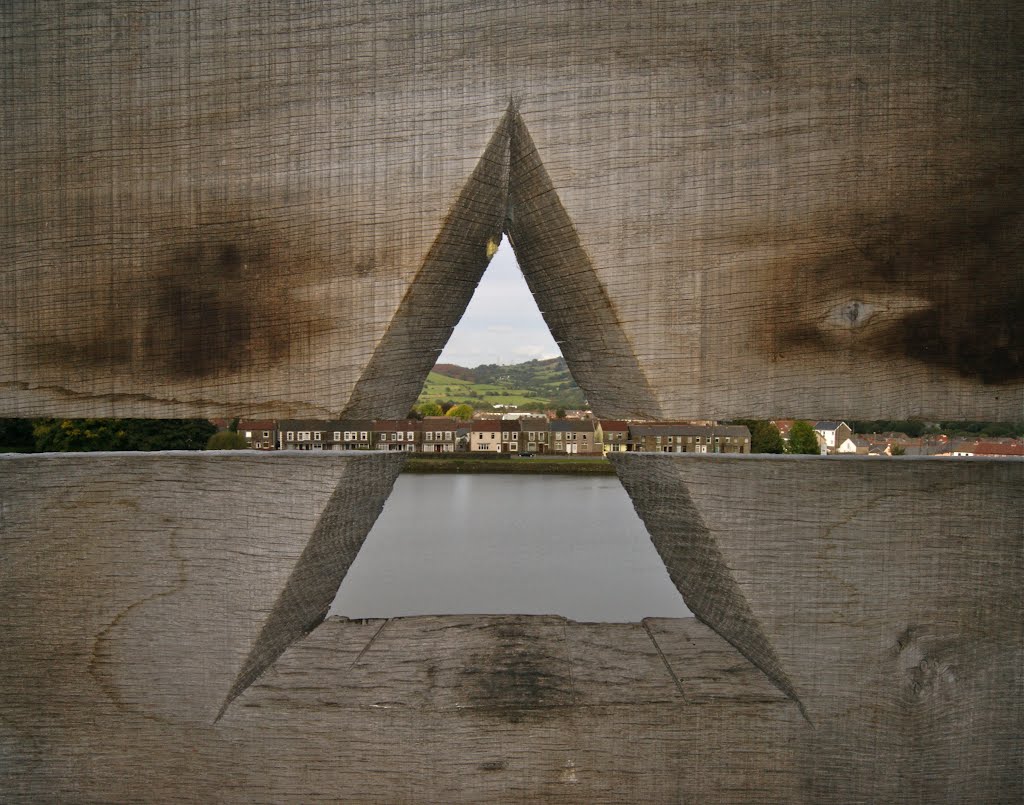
{"points": [[508, 193], [502, 323]]}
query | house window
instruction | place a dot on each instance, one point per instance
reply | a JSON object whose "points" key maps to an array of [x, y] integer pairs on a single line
{"points": [[266, 434], [291, 436], [337, 435], [504, 435], [363, 435], [303, 435], [248, 434], [399, 436], [383, 437], [493, 435], [410, 436], [698, 442], [428, 436], [318, 435], [447, 435], [515, 436]]}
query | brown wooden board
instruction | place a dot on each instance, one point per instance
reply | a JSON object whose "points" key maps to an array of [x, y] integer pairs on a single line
{"points": [[884, 595], [793, 209]]}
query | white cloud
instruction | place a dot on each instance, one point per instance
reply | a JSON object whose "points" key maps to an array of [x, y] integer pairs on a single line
{"points": [[502, 323]]}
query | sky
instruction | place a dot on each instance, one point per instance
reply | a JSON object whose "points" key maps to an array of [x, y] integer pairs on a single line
{"points": [[502, 323]]}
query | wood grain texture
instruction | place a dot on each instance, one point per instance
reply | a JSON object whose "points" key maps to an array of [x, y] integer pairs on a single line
{"points": [[160, 585], [441, 709], [137, 590], [793, 209], [888, 593]]}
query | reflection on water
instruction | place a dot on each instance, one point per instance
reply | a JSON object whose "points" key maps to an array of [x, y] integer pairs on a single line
{"points": [[503, 544]]}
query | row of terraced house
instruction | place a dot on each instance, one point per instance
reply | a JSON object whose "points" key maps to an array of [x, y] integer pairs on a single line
{"points": [[518, 435]]}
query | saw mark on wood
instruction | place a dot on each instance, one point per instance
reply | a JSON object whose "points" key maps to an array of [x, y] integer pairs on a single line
{"points": [[664, 659]]}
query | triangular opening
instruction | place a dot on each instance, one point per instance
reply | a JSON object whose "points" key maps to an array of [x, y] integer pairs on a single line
{"points": [[502, 323], [509, 544], [508, 193]]}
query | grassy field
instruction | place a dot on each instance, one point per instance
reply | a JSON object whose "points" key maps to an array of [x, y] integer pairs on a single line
{"points": [[512, 465], [535, 384], [478, 395]]}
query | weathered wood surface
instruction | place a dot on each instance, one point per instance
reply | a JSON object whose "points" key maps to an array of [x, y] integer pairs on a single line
{"points": [[440, 709], [139, 593], [883, 595], [873, 607], [162, 584], [794, 208]]}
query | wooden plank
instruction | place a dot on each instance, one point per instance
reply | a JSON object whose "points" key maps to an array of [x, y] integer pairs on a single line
{"points": [[883, 595], [348, 713], [706, 666], [716, 221], [412, 702], [617, 663], [161, 584]]}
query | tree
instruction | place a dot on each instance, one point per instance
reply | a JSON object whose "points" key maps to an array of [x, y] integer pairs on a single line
{"points": [[429, 409], [897, 450], [802, 439], [462, 412], [764, 436], [166, 434], [16, 435], [227, 440], [560, 413], [79, 435]]}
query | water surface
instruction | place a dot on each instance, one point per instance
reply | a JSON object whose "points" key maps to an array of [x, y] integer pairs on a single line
{"points": [[509, 544]]}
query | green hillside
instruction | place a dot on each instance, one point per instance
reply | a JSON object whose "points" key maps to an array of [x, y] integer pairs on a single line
{"points": [[534, 385]]}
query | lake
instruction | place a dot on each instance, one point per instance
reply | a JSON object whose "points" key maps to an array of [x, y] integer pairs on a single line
{"points": [[509, 544]]}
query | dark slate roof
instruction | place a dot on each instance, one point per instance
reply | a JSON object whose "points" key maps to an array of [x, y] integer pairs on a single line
{"points": [[310, 424], [383, 425], [355, 424], [640, 429], [571, 426]]}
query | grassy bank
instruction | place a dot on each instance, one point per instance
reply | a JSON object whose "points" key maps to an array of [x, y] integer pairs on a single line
{"points": [[537, 465]]}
